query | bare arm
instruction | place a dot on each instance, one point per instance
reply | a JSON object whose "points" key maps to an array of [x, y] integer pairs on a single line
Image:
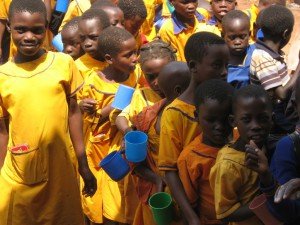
{"points": [[2, 30], [3, 139], [122, 124]]}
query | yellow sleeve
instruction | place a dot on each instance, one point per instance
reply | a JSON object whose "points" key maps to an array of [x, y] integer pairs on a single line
{"points": [[71, 13], [3, 112], [203, 12], [225, 180], [4, 6]]}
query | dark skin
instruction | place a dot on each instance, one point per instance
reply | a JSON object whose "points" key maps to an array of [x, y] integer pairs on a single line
{"points": [[221, 7], [185, 10]]}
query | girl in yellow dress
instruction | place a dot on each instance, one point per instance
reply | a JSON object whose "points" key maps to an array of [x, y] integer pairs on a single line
{"points": [[40, 123]]}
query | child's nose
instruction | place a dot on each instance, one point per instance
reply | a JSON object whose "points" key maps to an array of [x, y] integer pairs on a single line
{"points": [[29, 36]]}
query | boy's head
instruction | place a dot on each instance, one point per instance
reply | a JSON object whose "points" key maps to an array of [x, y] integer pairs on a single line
{"points": [[135, 13], [263, 4], [186, 9], [153, 57], [277, 24], [71, 39], [27, 24], [252, 114], [118, 47], [91, 24], [213, 101], [221, 7], [207, 56], [114, 13], [173, 79], [236, 31]]}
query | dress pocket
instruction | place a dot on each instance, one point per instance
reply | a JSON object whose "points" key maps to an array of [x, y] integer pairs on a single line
{"points": [[29, 167]]}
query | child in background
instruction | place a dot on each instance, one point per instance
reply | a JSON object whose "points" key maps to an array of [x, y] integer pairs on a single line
{"points": [[135, 13], [213, 105], [173, 79], [207, 57], [40, 121], [236, 33], [71, 39], [91, 24], [118, 47], [234, 185], [182, 24]]}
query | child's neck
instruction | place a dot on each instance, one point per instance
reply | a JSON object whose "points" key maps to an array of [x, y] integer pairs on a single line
{"points": [[20, 58], [237, 59], [98, 58], [275, 46], [115, 75], [188, 95], [187, 21]]}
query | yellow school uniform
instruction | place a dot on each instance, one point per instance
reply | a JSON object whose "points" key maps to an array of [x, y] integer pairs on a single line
{"points": [[179, 127], [76, 8], [176, 33], [212, 25], [86, 63], [234, 185], [39, 186], [252, 13]]}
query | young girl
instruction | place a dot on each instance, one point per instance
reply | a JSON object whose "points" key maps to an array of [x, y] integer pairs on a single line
{"points": [[40, 120]]}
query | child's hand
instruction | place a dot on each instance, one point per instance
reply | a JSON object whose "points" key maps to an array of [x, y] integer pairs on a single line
{"points": [[88, 105], [290, 189], [90, 182]]}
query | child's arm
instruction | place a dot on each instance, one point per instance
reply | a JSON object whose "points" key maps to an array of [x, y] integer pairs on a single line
{"points": [[3, 139], [2, 29], [75, 126], [290, 190], [122, 124], [87, 105]]}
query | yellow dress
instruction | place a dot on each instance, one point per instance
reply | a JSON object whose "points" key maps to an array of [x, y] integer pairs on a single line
{"points": [[39, 186]]}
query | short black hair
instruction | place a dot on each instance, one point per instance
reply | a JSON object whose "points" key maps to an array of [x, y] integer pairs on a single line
{"points": [[31, 6], [233, 15], [111, 39], [275, 20], [133, 8], [214, 89], [251, 91], [157, 49], [196, 46], [97, 14], [72, 24], [102, 3]]}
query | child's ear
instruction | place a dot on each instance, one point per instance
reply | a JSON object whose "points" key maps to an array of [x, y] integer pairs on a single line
{"points": [[192, 66], [8, 26], [108, 59], [178, 90], [286, 34], [231, 121]]}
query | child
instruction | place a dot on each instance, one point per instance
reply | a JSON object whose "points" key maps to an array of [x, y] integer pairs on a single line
{"points": [[114, 13], [213, 104], [40, 121], [269, 69], [118, 47], [236, 33], [91, 24], [182, 24], [71, 39], [173, 79], [135, 14], [207, 57], [234, 185]]}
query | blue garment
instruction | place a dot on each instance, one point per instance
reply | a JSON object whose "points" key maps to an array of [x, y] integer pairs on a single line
{"points": [[239, 75], [212, 21], [179, 26]]}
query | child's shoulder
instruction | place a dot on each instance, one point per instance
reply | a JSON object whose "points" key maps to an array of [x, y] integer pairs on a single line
{"points": [[167, 26], [229, 155], [180, 107]]}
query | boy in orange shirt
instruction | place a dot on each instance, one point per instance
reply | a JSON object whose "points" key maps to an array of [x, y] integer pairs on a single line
{"points": [[213, 105]]}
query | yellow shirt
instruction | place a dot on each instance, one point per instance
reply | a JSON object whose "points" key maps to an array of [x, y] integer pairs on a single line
{"points": [[34, 97], [212, 25], [178, 128], [234, 184], [252, 13]]}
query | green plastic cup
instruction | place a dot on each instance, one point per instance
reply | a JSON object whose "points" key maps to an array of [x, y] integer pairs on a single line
{"points": [[162, 208]]}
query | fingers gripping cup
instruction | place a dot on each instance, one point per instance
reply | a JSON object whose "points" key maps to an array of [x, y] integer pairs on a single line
{"points": [[162, 208], [115, 166], [136, 146], [57, 43], [122, 97], [62, 5], [259, 207]]}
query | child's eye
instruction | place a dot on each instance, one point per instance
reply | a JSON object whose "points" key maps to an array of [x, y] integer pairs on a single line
{"points": [[245, 119], [217, 66]]}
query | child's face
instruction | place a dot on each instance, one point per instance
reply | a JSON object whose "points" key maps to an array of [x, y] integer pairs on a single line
{"points": [[133, 25], [212, 66], [214, 122], [221, 7], [151, 69], [236, 36], [89, 34], [185, 8], [71, 41], [126, 59], [253, 118], [115, 15], [28, 32]]}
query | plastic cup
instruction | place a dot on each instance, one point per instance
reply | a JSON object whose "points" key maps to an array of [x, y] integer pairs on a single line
{"points": [[122, 97], [259, 207], [62, 5], [162, 208], [115, 166], [136, 146], [57, 43]]}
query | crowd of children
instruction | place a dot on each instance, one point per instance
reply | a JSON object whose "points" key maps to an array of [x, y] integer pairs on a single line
{"points": [[212, 91]]}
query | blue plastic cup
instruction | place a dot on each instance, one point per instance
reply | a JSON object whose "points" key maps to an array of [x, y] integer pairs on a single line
{"points": [[123, 97], [62, 5], [115, 166], [57, 43], [136, 146]]}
